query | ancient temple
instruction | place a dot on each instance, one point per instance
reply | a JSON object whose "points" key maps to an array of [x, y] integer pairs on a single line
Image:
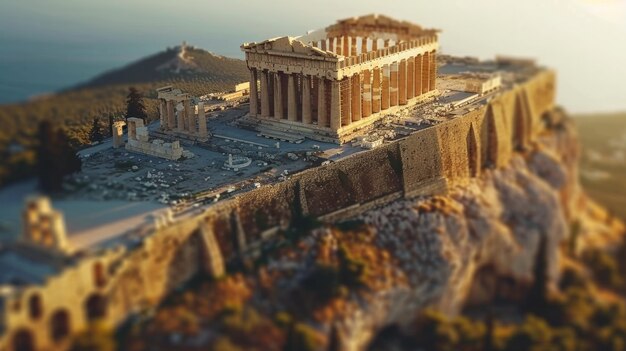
{"points": [[333, 82]]}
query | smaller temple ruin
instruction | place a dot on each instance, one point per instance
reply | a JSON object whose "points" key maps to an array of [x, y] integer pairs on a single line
{"points": [[44, 226], [118, 132], [179, 117], [139, 141]]}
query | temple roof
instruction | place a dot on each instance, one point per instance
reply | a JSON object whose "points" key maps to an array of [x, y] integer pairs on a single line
{"points": [[374, 23], [373, 26]]}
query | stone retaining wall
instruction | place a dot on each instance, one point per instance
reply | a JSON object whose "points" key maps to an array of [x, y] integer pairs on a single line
{"points": [[121, 282]]}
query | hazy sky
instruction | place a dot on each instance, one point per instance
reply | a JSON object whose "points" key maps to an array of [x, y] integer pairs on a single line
{"points": [[585, 40]]}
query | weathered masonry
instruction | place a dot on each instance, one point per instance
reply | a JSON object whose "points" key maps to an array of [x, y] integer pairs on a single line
{"points": [[178, 115], [332, 82], [117, 282]]}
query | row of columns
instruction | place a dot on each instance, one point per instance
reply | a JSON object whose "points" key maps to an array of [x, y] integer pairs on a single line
{"points": [[185, 120], [303, 98], [349, 46]]}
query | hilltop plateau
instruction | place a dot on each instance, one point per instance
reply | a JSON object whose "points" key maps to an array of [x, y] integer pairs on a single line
{"points": [[520, 254]]}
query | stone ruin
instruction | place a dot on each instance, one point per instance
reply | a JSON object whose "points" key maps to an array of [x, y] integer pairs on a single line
{"points": [[44, 226], [118, 133], [179, 117], [139, 141], [235, 163]]}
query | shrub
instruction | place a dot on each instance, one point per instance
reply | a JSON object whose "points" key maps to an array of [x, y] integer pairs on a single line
{"points": [[605, 269], [303, 338]]}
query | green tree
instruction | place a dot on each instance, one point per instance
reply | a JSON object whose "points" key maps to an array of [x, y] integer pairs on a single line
{"points": [[134, 105], [111, 121], [56, 158], [95, 134]]}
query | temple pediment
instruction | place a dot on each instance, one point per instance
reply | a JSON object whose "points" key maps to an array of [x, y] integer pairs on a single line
{"points": [[287, 45]]}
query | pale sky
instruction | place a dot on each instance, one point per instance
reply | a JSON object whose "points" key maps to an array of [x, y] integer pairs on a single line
{"points": [[585, 40]]}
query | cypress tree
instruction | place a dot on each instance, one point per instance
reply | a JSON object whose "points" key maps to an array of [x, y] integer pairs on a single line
{"points": [[45, 155], [95, 134], [111, 120], [134, 105], [56, 158]]}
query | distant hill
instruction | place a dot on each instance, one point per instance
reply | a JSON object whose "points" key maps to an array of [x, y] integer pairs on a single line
{"points": [[193, 70], [603, 162], [175, 64]]}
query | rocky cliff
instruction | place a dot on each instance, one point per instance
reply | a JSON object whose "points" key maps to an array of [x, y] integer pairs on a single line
{"points": [[336, 286], [481, 240]]}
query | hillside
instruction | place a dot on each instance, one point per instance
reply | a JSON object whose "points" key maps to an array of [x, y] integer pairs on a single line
{"points": [[603, 163], [179, 63], [193, 70]]}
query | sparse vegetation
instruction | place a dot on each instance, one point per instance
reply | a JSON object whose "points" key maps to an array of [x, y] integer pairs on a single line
{"points": [[74, 109], [95, 134], [56, 158]]}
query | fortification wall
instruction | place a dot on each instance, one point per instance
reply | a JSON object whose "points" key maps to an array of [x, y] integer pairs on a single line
{"points": [[120, 282]]}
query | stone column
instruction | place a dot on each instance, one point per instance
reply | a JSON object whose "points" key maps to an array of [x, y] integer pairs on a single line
{"points": [[393, 85], [306, 99], [332, 45], [346, 46], [190, 124], [323, 45], [171, 115], [292, 102], [425, 73], [433, 70], [162, 114], [418, 75], [410, 78], [322, 114], [202, 130], [118, 133], [375, 44], [339, 45], [387, 42], [402, 83], [353, 49], [346, 101], [254, 96], [364, 45], [132, 130], [376, 91], [180, 118], [356, 97], [278, 96], [335, 105], [265, 95], [367, 93], [385, 97]]}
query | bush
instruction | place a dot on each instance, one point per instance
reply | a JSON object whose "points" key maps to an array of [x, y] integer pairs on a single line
{"points": [[605, 269], [97, 337], [324, 282], [303, 338], [533, 335], [434, 332]]}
